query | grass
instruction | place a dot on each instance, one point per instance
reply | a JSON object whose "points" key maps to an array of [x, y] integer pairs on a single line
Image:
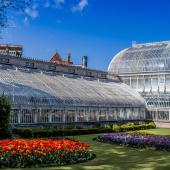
{"points": [[159, 131], [114, 157]]}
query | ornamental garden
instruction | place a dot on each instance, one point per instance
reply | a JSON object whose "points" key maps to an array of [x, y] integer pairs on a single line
{"points": [[138, 145]]}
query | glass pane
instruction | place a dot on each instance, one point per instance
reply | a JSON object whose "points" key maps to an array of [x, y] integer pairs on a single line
{"points": [[147, 84], [161, 83], [140, 84], [154, 84], [168, 83]]}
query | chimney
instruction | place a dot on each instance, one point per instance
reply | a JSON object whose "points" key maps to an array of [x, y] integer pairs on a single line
{"points": [[69, 58], [134, 44], [84, 61]]}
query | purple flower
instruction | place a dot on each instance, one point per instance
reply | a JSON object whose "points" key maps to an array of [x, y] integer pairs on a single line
{"points": [[136, 140]]}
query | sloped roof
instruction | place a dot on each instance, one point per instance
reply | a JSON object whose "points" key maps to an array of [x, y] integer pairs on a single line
{"points": [[42, 89], [56, 58]]}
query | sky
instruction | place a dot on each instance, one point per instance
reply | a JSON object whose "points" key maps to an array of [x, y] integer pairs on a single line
{"points": [[96, 28]]}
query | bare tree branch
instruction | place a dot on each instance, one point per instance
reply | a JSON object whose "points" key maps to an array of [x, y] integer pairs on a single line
{"points": [[7, 6]]}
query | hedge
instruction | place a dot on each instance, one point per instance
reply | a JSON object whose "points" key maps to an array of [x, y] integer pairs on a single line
{"points": [[5, 109], [46, 133], [30, 133], [132, 127]]}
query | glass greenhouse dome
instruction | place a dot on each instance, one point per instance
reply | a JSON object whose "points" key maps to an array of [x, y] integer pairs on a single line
{"points": [[146, 68]]}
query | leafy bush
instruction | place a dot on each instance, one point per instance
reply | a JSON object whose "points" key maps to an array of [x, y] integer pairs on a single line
{"points": [[79, 127], [151, 125], [115, 128], [24, 132], [41, 133], [107, 126], [5, 109], [132, 127]]}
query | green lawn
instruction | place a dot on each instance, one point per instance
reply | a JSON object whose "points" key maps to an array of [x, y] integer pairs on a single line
{"points": [[160, 131], [114, 157]]}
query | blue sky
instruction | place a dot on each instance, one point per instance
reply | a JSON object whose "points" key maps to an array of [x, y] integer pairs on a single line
{"points": [[96, 28]]}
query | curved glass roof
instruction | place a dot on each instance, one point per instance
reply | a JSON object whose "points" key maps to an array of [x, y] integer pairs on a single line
{"points": [[35, 88], [149, 57]]}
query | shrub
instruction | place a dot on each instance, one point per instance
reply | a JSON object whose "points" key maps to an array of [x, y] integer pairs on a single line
{"points": [[25, 132], [132, 127], [151, 125], [107, 126], [5, 109], [79, 127], [115, 128], [43, 133]]}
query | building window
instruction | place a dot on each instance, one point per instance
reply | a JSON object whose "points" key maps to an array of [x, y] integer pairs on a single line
{"points": [[29, 65], [13, 53], [52, 67], [18, 53]]}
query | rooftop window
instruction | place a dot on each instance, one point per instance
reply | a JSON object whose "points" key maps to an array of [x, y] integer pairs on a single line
{"points": [[29, 65]]}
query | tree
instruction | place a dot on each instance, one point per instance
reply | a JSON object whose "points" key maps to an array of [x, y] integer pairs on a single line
{"points": [[5, 109], [7, 6]]}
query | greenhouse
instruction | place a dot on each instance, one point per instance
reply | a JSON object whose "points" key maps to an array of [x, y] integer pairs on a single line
{"points": [[38, 96], [146, 68]]}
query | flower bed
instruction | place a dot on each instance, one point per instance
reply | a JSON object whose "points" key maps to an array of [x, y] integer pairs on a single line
{"points": [[136, 140], [34, 153]]}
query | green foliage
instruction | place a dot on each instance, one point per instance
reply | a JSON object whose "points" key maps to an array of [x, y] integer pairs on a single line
{"points": [[79, 127], [41, 133], [24, 132], [115, 128], [5, 109], [132, 127], [107, 126], [151, 125], [46, 133]]}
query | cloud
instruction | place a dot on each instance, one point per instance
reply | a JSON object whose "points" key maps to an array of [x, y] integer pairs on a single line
{"points": [[54, 3], [59, 2], [47, 4], [32, 11], [26, 21], [80, 6]]}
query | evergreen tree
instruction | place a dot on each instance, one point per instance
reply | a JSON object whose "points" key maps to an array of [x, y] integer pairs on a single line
{"points": [[5, 109]]}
